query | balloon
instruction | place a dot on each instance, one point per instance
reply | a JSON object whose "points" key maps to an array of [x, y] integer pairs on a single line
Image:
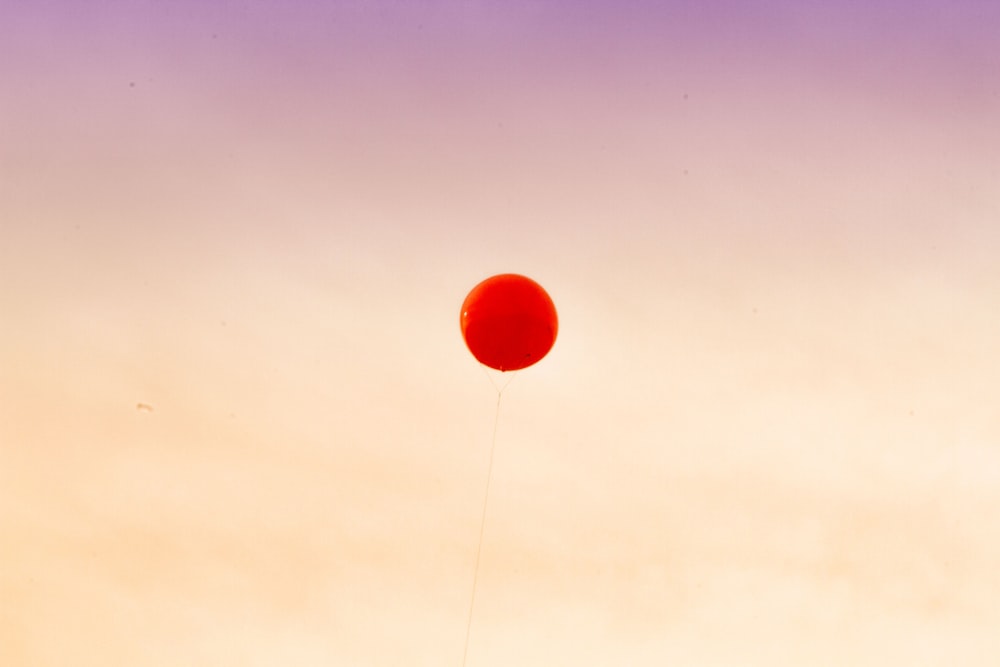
{"points": [[509, 322]]}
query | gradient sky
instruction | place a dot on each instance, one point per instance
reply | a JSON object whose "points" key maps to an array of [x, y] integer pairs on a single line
{"points": [[767, 434]]}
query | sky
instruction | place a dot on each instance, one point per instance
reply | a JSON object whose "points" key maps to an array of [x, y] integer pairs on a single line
{"points": [[238, 423]]}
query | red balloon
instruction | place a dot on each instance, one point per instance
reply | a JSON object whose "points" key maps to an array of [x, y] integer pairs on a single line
{"points": [[509, 322]]}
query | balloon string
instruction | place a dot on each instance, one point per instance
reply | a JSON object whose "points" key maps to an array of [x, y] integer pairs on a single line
{"points": [[489, 376], [482, 520]]}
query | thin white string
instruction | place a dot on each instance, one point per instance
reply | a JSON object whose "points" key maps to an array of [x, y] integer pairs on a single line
{"points": [[489, 376], [482, 520]]}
